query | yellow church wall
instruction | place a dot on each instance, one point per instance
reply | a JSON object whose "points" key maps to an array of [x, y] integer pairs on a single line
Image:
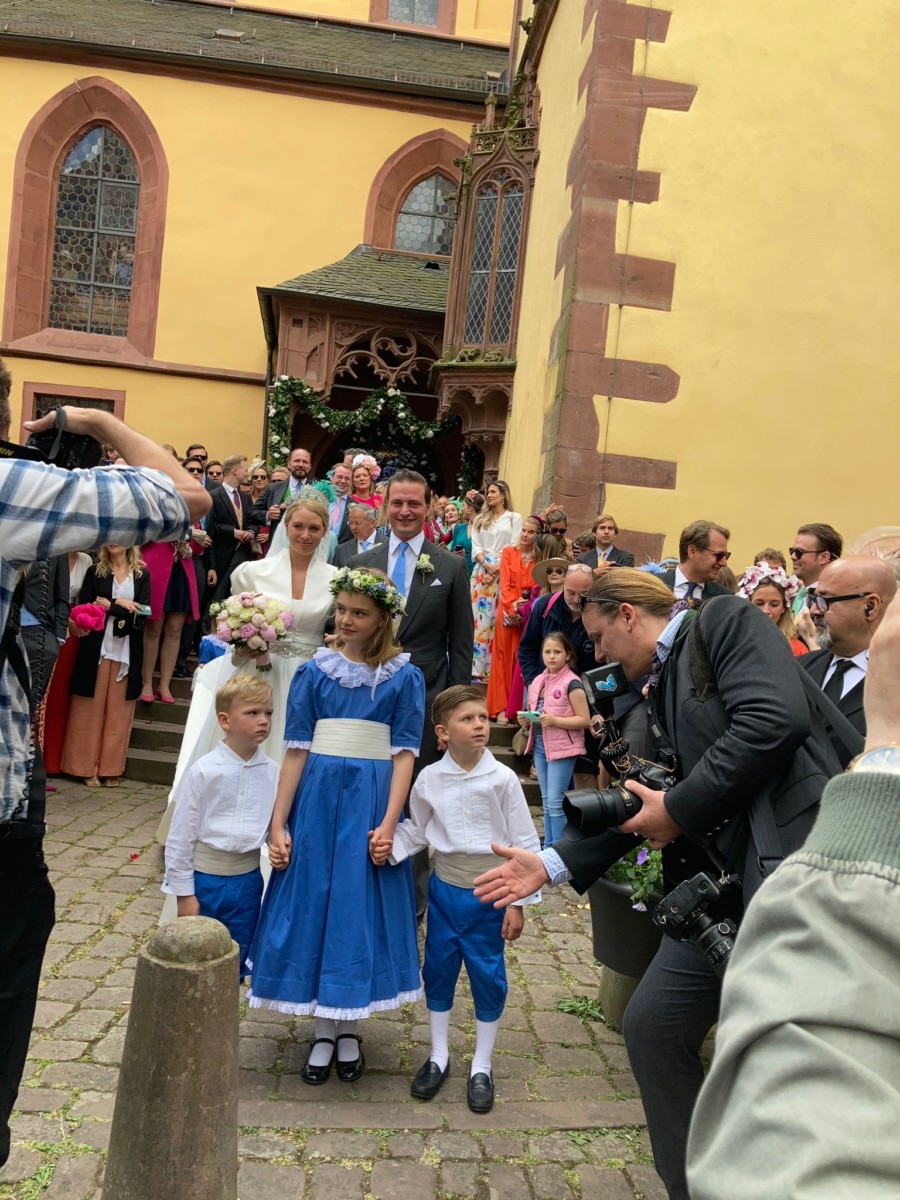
{"points": [[262, 187], [564, 56], [778, 207], [226, 417], [476, 20]]}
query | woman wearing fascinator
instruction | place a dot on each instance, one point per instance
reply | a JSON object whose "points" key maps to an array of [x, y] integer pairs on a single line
{"points": [[770, 589]]}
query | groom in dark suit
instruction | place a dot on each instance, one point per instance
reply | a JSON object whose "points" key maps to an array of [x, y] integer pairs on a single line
{"points": [[437, 630], [228, 525], [849, 601], [605, 531]]}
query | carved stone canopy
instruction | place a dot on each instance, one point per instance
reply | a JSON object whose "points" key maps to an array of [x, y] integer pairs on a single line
{"points": [[482, 398]]}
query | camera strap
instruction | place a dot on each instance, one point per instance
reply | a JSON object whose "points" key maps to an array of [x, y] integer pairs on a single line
{"points": [[10, 647]]}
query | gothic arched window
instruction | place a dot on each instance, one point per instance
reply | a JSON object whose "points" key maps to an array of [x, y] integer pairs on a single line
{"points": [[495, 258], [94, 238], [427, 216]]}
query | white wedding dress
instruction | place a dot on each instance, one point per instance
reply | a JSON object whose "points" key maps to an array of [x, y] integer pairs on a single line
{"points": [[272, 577]]}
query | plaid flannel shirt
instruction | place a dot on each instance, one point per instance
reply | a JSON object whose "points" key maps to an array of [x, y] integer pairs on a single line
{"points": [[46, 511]]}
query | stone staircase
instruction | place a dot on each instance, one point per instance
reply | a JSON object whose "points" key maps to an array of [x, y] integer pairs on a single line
{"points": [[158, 729]]}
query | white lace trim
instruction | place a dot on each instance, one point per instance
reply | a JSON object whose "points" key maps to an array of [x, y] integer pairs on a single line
{"points": [[400, 749], [297, 745], [350, 674], [312, 1008]]}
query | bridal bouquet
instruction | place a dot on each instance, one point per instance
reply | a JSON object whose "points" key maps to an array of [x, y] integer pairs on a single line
{"points": [[251, 623]]}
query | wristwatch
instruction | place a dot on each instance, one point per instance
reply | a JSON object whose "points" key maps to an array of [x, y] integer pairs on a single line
{"points": [[883, 759]]}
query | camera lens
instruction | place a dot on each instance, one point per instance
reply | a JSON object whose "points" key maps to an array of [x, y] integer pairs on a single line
{"points": [[589, 812]]}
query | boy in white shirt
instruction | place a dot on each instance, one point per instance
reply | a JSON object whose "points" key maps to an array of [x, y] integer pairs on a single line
{"points": [[459, 806], [222, 814]]}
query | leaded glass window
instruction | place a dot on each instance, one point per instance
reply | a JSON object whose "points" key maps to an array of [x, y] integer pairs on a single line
{"points": [[413, 12], [427, 216], [495, 259], [93, 244]]}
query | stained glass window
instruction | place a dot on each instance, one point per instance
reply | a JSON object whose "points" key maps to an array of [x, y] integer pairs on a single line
{"points": [[427, 216], [93, 244], [413, 12], [495, 258]]}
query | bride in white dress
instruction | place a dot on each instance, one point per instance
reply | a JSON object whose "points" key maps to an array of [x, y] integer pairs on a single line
{"points": [[297, 573]]}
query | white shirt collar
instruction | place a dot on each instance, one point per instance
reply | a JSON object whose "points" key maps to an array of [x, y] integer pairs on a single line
{"points": [[682, 581], [486, 763], [860, 660], [226, 753], [415, 544]]}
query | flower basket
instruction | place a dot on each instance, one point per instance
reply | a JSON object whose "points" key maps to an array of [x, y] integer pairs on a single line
{"points": [[625, 939]]}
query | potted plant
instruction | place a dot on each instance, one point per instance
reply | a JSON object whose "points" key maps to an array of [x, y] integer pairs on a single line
{"points": [[625, 938]]}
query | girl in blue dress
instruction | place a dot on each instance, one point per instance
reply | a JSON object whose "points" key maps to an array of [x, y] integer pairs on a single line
{"points": [[337, 935]]}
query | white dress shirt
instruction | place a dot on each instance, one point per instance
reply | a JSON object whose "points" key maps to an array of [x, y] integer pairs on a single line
{"points": [[223, 802], [462, 812], [364, 544], [415, 549], [682, 584], [854, 674], [118, 649]]}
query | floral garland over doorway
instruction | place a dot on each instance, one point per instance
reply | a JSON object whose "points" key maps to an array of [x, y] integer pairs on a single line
{"points": [[384, 401]]}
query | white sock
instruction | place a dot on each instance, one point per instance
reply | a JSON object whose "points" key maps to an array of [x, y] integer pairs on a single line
{"points": [[348, 1051], [440, 1032], [485, 1036], [320, 1056]]}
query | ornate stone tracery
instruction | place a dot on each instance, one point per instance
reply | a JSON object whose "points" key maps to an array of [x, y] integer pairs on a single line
{"points": [[397, 357]]}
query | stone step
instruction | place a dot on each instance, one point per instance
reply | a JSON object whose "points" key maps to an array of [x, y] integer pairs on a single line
{"points": [[151, 766], [157, 735], [502, 735], [170, 714]]}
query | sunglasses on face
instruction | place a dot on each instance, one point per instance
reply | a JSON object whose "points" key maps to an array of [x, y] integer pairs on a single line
{"points": [[257, 477], [721, 555], [193, 471], [822, 603], [798, 552], [558, 530]]}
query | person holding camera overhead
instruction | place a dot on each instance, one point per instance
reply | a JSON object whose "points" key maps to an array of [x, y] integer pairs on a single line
{"points": [[727, 707], [151, 499]]}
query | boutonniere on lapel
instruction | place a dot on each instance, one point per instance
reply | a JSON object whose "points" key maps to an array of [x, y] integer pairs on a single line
{"points": [[424, 566]]}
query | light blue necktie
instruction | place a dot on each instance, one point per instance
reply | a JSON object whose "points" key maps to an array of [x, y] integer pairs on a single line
{"points": [[398, 575], [365, 545]]}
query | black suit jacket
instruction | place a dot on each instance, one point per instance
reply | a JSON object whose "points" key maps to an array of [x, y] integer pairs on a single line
{"points": [[227, 551], [438, 629], [755, 731], [84, 676], [709, 589], [617, 557], [275, 493], [851, 703]]}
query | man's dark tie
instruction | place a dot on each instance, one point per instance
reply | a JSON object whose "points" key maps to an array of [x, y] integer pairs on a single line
{"points": [[834, 688], [693, 595]]}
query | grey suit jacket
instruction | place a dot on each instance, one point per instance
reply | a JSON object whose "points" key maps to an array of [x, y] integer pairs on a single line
{"points": [[617, 557], [347, 550], [851, 703], [438, 630]]}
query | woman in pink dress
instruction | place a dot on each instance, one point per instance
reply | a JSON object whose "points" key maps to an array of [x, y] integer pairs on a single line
{"points": [[173, 598]]}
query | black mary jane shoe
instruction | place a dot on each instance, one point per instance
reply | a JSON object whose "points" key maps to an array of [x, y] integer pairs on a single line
{"points": [[317, 1075], [428, 1080], [480, 1092], [350, 1071]]}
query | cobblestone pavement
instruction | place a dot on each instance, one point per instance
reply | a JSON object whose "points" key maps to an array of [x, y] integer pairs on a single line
{"points": [[567, 1122]]}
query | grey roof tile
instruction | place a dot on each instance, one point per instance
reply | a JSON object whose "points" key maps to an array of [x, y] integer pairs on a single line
{"points": [[368, 276]]}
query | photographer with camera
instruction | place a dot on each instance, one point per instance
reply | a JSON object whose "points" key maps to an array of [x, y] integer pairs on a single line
{"points": [[46, 510], [728, 717]]}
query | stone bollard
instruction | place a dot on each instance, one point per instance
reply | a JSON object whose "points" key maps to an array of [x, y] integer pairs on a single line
{"points": [[174, 1130]]}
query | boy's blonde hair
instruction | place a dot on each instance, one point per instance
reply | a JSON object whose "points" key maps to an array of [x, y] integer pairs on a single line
{"points": [[245, 687], [450, 699]]}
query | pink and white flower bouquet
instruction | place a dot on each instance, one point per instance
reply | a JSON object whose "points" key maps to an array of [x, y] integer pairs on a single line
{"points": [[251, 623]]}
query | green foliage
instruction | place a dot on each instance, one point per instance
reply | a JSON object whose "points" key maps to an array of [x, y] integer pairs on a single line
{"points": [[641, 869], [582, 1007]]}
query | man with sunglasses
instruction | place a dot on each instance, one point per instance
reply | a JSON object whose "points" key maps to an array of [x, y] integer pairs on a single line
{"points": [[847, 607], [703, 551], [815, 546]]}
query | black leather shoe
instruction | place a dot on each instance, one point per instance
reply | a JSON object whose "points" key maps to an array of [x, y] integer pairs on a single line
{"points": [[428, 1080], [350, 1071], [317, 1075], [480, 1092]]}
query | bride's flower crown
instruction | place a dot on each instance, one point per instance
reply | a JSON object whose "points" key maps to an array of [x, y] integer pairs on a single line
{"points": [[377, 587]]}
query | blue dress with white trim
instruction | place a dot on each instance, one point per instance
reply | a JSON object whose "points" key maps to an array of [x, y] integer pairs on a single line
{"points": [[337, 935]]}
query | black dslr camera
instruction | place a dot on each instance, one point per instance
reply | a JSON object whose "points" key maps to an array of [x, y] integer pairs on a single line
{"points": [[588, 811], [683, 914], [68, 450]]}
